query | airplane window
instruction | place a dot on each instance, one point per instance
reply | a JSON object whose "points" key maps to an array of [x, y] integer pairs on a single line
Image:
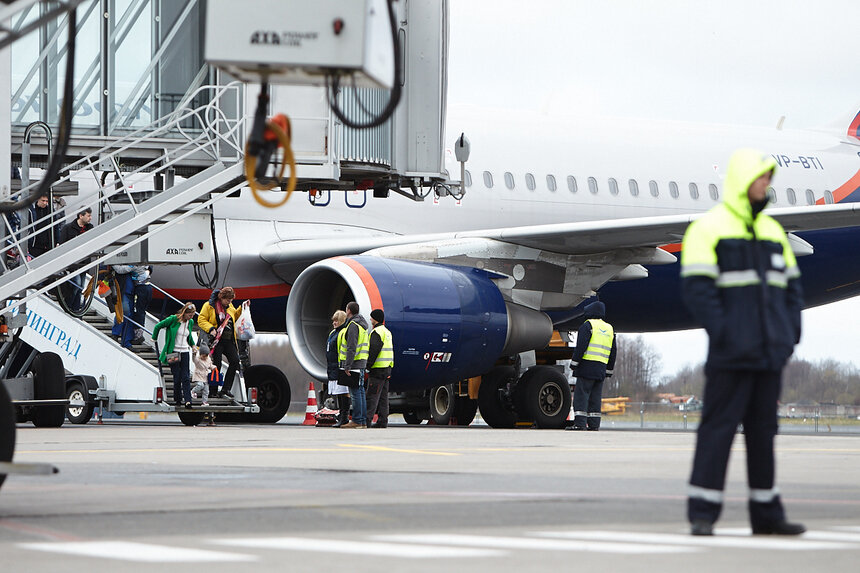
{"points": [[694, 191], [655, 191], [715, 193], [530, 181], [488, 180], [792, 198], [550, 182], [468, 181], [613, 186], [771, 193], [509, 180], [592, 185], [634, 187], [571, 183], [828, 198], [673, 189], [810, 197]]}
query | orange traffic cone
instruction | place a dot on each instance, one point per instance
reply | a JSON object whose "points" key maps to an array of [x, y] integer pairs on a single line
{"points": [[312, 407]]}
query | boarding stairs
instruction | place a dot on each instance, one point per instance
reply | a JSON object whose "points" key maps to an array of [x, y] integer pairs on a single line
{"points": [[128, 379], [132, 221]]}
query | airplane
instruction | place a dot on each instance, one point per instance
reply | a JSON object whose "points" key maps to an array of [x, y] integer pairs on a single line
{"points": [[555, 211]]}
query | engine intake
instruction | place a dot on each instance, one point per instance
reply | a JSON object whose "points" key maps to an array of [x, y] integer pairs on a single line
{"points": [[449, 323]]}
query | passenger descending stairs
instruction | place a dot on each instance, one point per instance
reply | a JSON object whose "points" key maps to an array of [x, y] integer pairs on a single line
{"points": [[111, 237], [98, 320]]}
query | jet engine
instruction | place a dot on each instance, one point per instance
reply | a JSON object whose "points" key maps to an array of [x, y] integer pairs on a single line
{"points": [[449, 323]]}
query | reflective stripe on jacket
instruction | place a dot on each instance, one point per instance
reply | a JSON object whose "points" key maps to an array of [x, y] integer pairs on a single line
{"points": [[600, 345], [740, 277], [362, 347], [385, 358]]}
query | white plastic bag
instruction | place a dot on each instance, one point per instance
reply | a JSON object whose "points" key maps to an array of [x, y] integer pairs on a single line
{"points": [[245, 326]]}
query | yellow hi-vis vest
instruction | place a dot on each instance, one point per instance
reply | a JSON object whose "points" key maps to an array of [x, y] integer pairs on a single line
{"points": [[600, 344], [362, 346], [385, 358]]}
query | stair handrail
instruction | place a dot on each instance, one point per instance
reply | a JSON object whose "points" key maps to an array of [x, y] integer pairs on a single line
{"points": [[218, 131]]}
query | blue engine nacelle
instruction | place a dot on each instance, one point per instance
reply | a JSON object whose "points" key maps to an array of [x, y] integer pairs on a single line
{"points": [[449, 323]]}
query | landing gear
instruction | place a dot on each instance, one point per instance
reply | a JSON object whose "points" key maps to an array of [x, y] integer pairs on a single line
{"points": [[414, 418], [273, 393], [442, 404], [191, 418], [494, 397], [447, 407], [545, 394]]}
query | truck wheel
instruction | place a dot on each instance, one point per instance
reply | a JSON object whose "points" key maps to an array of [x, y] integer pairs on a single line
{"points": [[273, 393], [412, 418], [191, 418], [49, 381], [547, 395], [464, 410], [442, 402], [81, 414], [493, 399], [7, 428]]}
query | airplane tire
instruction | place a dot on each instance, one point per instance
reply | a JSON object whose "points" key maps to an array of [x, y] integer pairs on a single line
{"points": [[49, 383], [464, 410], [80, 414], [7, 429], [273, 393], [443, 400], [492, 402], [191, 418], [412, 418], [547, 396]]}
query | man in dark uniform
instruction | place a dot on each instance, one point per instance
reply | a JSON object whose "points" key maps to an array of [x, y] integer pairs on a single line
{"points": [[741, 282], [593, 360]]}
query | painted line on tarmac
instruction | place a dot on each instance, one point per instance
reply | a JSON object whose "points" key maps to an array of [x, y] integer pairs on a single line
{"points": [[535, 544], [399, 450], [719, 540], [406, 551], [140, 552]]}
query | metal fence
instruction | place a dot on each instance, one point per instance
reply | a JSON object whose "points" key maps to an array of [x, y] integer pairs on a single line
{"points": [[653, 415]]}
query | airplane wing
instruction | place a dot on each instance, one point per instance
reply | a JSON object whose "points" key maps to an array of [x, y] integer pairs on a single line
{"points": [[553, 266], [565, 238]]}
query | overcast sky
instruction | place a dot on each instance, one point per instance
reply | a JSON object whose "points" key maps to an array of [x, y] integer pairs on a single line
{"points": [[732, 61]]}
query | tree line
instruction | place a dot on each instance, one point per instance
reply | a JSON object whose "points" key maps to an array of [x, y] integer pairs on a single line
{"points": [[638, 375]]}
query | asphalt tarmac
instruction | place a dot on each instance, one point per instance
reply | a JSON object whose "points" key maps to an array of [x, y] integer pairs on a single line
{"points": [[136, 496]]}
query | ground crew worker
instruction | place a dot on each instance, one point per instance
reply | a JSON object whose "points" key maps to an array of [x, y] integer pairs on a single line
{"points": [[381, 361], [741, 282], [593, 360], [352, 352]]}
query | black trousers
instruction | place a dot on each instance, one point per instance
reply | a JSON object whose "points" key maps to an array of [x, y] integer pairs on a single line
{"points": [[587, 400], [733, 397], [226, 348], [377, 395]]}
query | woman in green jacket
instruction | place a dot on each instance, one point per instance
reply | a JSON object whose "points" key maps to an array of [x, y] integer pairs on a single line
{"points": [[176, 353]]}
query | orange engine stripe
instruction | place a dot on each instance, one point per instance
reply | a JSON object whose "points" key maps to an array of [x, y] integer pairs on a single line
{"points": [[367, 280]]}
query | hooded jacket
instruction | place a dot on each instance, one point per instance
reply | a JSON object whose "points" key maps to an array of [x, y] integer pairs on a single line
{"points": [[591, 369], [351, 339], [740, 278]]}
